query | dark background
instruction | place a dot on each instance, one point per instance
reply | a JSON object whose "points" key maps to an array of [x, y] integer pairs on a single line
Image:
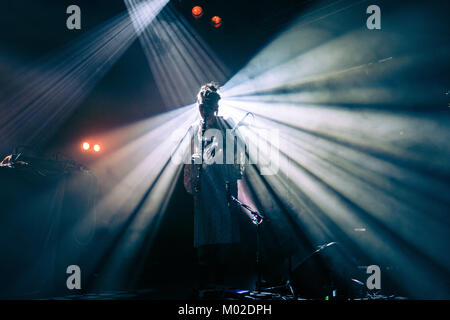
{"points": [[40, 212], [30, 30]]}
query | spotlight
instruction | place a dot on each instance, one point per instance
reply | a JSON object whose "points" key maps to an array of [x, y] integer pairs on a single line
{"points": [[216, 21], [197, 12], [96, 148], [86, 146]]}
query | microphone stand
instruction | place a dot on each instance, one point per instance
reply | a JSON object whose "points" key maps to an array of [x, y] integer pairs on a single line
{"points": [[257, 219]]}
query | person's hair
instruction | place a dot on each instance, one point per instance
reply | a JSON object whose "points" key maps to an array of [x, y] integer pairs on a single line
{"points": [[208, 97]]}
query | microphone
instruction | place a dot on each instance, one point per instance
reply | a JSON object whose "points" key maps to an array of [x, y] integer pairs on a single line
{"points": [[241, 121], [257, 217]]}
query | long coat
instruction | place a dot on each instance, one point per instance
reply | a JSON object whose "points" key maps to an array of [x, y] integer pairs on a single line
{"points": [[214, 221]]}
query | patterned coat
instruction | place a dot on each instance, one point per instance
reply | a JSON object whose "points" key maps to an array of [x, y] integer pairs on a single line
{"points": [[214, 221]]}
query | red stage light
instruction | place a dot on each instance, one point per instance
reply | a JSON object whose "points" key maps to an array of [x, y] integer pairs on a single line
{"points": [[216, 21], [85, 146], [96, 148], [197, 12]]}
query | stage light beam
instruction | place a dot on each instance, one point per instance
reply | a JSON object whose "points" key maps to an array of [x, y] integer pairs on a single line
{"points": [[353, 150], [57, 84], [178, 57]]}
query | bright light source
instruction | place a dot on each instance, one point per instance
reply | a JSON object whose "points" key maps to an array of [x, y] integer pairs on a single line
{"points": [[197, 12], [96, 148], [86, 146], [216, 21]]}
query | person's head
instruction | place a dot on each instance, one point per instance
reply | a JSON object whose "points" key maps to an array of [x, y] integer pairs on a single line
{"points": [[208, 100]]}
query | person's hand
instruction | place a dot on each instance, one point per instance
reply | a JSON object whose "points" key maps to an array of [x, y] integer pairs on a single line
{"points": [[196, 158]]}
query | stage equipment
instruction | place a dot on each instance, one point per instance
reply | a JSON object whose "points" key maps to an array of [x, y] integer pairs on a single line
{"points": [[85, 146], [197, 12], [26, 160], [241, 122], [216, 21], [327, 272], [257, 219], [42, 204]]}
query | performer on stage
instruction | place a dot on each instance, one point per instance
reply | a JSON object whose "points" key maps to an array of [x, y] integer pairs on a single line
{"points": [[216, 227]]}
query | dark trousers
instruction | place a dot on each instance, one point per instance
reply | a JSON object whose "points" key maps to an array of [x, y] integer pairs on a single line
{"points": [[213, 261]]}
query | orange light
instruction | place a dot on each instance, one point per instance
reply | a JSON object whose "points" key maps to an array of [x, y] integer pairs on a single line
{"points": [[197, 12], [96, 148], [216, 21], [86, 146]]}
